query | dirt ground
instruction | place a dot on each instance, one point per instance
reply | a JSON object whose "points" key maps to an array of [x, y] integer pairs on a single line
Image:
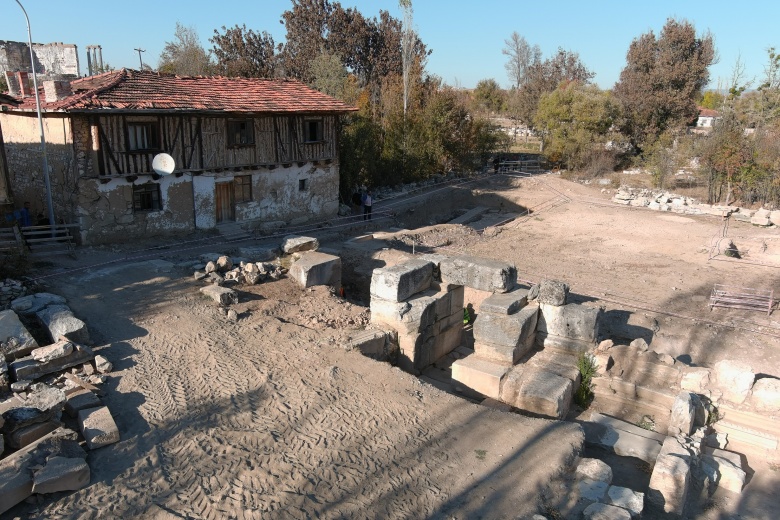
{"points": [[270, 417]]}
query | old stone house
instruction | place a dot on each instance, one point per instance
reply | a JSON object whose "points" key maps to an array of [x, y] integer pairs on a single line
{"points": [[258, 152]]}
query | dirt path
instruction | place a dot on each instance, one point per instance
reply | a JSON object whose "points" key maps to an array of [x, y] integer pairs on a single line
{"points": [[271, 417]]}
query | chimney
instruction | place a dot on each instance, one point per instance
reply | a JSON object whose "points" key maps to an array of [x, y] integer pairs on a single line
{"points": [[23, 80], [13, 84], [56, 89]]}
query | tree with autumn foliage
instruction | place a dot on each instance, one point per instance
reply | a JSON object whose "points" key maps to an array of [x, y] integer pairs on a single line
{"points": [[243, 52]]}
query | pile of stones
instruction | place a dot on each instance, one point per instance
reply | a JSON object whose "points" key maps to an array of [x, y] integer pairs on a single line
{"points": [[10, 290], [42, 449]]}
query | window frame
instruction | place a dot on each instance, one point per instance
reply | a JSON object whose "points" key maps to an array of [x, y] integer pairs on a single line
{"points": [[242, 188], [231, 133], [303, 184], [151, 136], [319, 133], [151, 189]]}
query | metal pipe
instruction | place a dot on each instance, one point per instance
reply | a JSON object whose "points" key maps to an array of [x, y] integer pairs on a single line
{"points": [[52, 222]]}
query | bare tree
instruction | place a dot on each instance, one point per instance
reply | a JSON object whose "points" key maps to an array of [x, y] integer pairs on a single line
{"points": [[243, 52], [185, 55], [521, 57]]}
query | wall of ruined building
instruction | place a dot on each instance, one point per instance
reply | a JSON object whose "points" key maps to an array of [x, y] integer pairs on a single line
{"points": [[22, 138], [59, 59], [106, 213], [276, 195]]}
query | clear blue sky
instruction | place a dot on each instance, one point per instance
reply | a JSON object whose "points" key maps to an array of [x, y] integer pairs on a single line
{"points": [[466, 37]]}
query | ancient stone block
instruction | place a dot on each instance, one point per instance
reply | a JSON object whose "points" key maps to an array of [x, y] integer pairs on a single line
{"points": [[628, 499], [370, 343], [569, 321], [81, 400], [624, 439], [592, 490], [29, 434], [54, 351], [296, 244], [28, 368], [61, 474], [402, 281], [734, 379], [683, 414], [98, 427], [315, 268], [670, 480], [598, 511], [511, 330], [221, 295], [765, 396], [724, 469], [553, 292], [695, 379], [594, 469], [15, 486], [537, 391], [61, 321], [258, 254], [475, 272], [33, 303], [15, 340], [505, 303], [479, 375]]}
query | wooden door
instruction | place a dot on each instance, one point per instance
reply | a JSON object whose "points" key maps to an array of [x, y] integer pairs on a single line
{"points": [[225, 198]]}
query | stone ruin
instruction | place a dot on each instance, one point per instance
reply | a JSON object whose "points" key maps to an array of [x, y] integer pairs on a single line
{"points": [[41, 450], [527, 344]]}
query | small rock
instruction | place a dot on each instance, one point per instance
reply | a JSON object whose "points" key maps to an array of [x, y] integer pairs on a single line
{"points": [[640, 343], [232, 315], [21, 386], [103, 365]]}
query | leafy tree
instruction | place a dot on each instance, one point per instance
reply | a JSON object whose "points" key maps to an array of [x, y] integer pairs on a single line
{"points": [[575, 121], [489, 96], [662, 80], [545, 76], [725, 153], [307, 29], [329, 75], [185, 55], [244, 52], [521, 57], [712, 100]]}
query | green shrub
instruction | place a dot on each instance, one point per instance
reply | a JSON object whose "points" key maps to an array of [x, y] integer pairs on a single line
{"points": [[586, 364]]}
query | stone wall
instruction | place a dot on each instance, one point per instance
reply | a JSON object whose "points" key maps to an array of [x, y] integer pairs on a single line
{"points": [[60, 59]]}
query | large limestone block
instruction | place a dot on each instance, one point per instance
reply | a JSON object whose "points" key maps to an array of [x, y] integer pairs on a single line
{"points": [[510, 330], [402, 281], [724, 469], [61, 474], [98, 427], [15, 340], [296, 244], [598, 511], [33, 303], [569, 321], [421, 348], [28, 368], [623, 438], [475, 272], [765, 396], [734, 379], [504, 303], [419, 312], [683, 414], [553, 292], [56, 350], [479, 375], [61, 321], [315, 268], [537, 391], [221, 295], [671, 477], [81, 400], [594, 469], [628, 499]]}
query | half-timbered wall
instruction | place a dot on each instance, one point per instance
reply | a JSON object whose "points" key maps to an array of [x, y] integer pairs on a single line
{"points": [[200, 143]]}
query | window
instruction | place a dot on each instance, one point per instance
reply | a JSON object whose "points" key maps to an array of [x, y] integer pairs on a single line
{"points": [[243, 188], [303, 184], [312, 130], [142, 137], [146, 197], [240, 132]]}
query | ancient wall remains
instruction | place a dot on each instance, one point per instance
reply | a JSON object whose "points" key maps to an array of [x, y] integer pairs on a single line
{"points": [[51, 59]]}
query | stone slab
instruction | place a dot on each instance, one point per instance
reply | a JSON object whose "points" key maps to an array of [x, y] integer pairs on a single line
{"points": [[61, 322], [553, 292], [28, 368], [81, 400], [221, 295], [571, 321], [671, 477], [258, 254], [15, 339], [315, 268], [562, 345], [724, 469], [594, 469], [628, 499], [400, 282], [621, 442], [33, 303], [15, 486], [98, 427], [537, 391], [476, 272], [29, 434], [503, 330], [56, 350], [61, 474], [505, 303], [479, 375], [592, 490], [296, 244]]}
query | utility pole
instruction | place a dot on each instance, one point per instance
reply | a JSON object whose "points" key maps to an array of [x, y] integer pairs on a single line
{"points": [[139, 57]]}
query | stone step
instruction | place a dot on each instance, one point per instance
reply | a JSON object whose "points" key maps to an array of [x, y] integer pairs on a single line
{"points": [[563, 345], [537, 391], [622, 438], [655, 397], [564, 365], [479, 375]]}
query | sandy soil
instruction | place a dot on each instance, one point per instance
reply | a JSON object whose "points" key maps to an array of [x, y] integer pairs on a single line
{"points": [[269, 416]]}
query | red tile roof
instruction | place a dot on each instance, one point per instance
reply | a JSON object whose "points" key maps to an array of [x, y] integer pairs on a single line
{"points": [[708, 112], [132, 90]]}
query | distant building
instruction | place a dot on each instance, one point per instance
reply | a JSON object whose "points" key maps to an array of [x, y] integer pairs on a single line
{"points": [[707, 117], [257, 152], [51, 59]]}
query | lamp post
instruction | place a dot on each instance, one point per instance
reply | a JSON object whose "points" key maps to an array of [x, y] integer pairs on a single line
{"points": [[52, 222]]}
